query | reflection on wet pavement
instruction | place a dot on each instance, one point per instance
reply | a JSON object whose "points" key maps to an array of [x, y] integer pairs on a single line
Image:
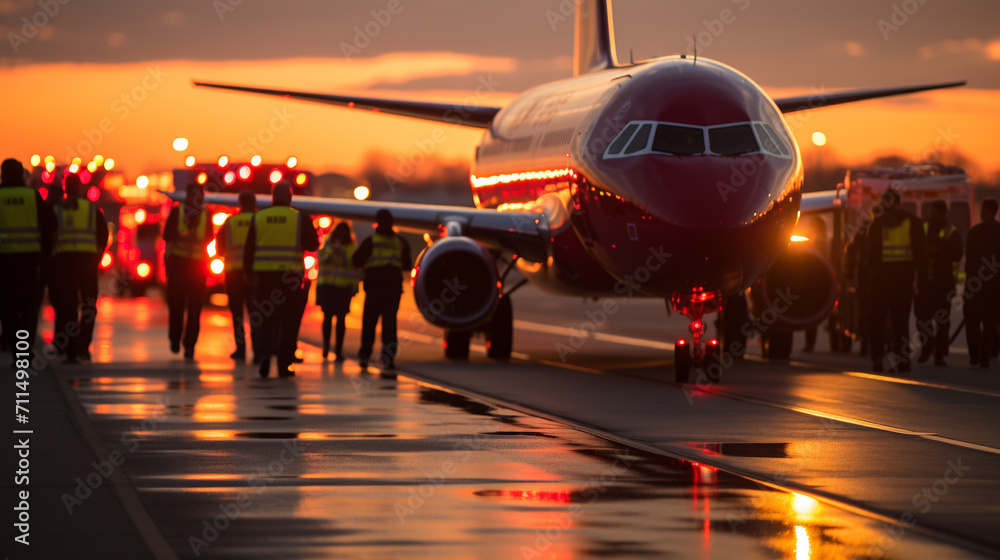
{"points": [[337, 463]]}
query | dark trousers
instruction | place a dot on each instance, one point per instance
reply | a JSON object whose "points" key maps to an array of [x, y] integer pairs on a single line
{"points": [[892, 299], [384, 305], [934, 319], [981, 312], [185, 293], [275, 302], [239, 292], [300, 299], [19, 297], [76, 310], [338, 344]]}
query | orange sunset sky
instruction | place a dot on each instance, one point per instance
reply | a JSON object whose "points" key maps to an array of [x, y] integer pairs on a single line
{"points": [[114, 77]]}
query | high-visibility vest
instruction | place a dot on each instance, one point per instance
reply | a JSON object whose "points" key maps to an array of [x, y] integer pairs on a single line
{"points": [[76, 228], [944, 234], [896, 243], [19, 231], [190, 243], [238, 227], [335, 267], [386, 251], [277, 241]]}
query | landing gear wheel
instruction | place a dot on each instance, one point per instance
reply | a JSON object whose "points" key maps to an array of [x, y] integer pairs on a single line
{"points": [[456, 344], [682, 361], [500, 331]]}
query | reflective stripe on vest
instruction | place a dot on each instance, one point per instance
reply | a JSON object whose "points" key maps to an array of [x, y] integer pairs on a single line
{"points": [[236, 238], [335, 267], [190, 244], [896, 245], [277, 240], [19, 231], [76, 228], [386, 251]]}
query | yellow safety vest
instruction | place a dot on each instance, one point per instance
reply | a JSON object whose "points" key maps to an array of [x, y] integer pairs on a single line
{"points": [[189, 244], [386, 251], [896, 244], [277, 240], [236, 238], [19, 231], [335, 268], [945, 233], [76, 228]]}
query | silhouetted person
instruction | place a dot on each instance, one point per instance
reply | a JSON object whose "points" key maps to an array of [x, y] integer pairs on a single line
{"points": [[336, 286], [897, 254], [81, 238], [944, 251], [275, 245], [54, 196], [384, 257], [188, 232], [27, 229], [229, 244], [982, 284], [857, 269]]}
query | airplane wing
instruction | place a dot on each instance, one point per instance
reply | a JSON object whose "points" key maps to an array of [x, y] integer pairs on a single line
{"points": [[821, 99], [523, 233], [822, 201], [457, 114]]}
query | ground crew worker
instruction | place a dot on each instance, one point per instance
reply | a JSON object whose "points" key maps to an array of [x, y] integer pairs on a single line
{"points": [[858, 272], [336, 286], [896, 252], [276, 242], [229, 244], [982, 286], [27, 229], [81, 238], [933, 309], [384, 257], [187, 233]]}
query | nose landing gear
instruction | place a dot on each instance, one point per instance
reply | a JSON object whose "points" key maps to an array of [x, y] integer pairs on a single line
{"points": [[698, 353]]}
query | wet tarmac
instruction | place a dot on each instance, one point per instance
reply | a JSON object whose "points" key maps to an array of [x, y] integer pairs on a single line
{"points": [[339, 463]]}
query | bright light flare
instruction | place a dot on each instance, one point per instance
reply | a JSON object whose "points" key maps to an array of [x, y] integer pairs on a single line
{"points": [[819, 138], [300, 179], [35, 160], [109, 164], [74, 168], [223, 161], [143, 270], [255, 160], [211, 248], [217, 266], [361, 193], [142, 182], [245, 172], [93, 193], [274, 176], [180, 144], [107, 260], [229, 178], [799, 238], [92, 166], [189, 161], [310, 261], [50, 166], [140, 216], [292, 162], [324, 222]]}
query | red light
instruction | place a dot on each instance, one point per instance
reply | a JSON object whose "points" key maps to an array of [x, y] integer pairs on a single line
{"points": [[713, 342], [48, 176], [44, 192], [229, 177], [697, 325], [85, 176], [93, 193], [107, 260], [681, 342]]}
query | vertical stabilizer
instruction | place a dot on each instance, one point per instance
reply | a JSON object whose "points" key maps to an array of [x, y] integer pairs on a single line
{"points": [[594, 42]]}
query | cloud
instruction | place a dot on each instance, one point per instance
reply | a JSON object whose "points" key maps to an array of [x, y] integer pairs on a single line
{"points": [[971, 45]]}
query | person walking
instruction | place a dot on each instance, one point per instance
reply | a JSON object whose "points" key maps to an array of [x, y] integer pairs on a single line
{"points": [[187, 234], [336, 286], [27, 231], [933, 309], [383, 257], [229, 244], [896, 252], [81, 238], [276, 241], [982, 287]]}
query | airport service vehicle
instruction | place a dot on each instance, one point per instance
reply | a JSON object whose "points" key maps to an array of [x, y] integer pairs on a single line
{"points": [[674, 178]]}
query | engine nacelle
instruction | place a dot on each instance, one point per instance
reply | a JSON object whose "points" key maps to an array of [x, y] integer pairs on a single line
{"points": [[455, 283], [798, 292]]}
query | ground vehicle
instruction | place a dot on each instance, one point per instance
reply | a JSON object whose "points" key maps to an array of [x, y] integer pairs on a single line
{"points": [[918, 185]]}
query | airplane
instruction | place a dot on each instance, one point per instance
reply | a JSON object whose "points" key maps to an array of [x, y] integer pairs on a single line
{"points": [[675, 178]]}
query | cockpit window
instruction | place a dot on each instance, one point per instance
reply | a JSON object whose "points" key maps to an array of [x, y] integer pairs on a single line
{"points": [[641, 140], [736, 140], [679, 140], [769, 139], [623, 138]]}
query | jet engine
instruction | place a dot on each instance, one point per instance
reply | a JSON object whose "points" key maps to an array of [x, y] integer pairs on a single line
{"points": [[798, 292], [455, 284]]}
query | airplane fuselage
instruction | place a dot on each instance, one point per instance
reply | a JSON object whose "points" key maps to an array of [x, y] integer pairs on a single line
{"points": [[670, 177]]}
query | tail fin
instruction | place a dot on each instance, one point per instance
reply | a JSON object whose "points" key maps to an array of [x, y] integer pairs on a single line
{"points": [[594, 44]]}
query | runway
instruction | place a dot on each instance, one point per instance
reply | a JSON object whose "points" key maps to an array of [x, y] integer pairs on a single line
{"points": [[586, 453]]}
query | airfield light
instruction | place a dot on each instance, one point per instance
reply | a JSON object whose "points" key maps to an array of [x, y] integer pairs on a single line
{"points": [[74, 168], [143, 270], [142, 182], [819, 138], [189, 161], [245, 172], [300, 179], [219, 218], [109, 164], [202, 178], [229, 178], [223, 161], [255, 160], [275, 176], [361, 193], [217, 266], [180, 144], [35, 160], [292, 162], [92, 167]]}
